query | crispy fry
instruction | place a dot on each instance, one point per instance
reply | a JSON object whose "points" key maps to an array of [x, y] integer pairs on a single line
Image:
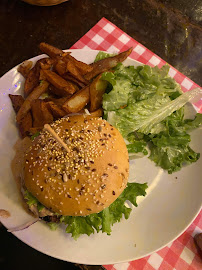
{"points": [[17, 101], [69, 77], [56, 110], [106, 64], [57, 101], [25, 67], [36, 93], [97, 89], [26, 122], [82, 67], [32, 79], [78, 101], [46, 65], [34, 130], [63, 86], [42, 76], [25, 125], [60, 67], [40, 112], [97, 113], [50, 50], [71, 67], [58, 92]]}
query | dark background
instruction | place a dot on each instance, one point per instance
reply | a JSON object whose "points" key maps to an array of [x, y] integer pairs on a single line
{"points": [[170, 28]]}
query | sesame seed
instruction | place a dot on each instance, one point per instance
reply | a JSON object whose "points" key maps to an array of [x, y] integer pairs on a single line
{"points": [[65, 179]]}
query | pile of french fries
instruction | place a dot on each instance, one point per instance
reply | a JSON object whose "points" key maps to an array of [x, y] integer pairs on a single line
{"points": [[70, 86]]}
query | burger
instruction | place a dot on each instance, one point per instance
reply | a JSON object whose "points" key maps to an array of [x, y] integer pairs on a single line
{"points": [[78, 174]]}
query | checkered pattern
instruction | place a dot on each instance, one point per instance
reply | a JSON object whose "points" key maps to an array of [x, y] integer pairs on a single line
{"points": [[180, 254]]}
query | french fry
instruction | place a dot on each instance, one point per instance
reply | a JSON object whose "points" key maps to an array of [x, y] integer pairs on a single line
{"points": [[106, 64], [60, 67], [97, 89], [58, 92], [56, 110], [25, 67], [64, 87], [82, 67], [25, 125], [32, 79], [42, 76], [70, 78], [41, 113], [26, 106], [78, 101], [26, 122], [17, 101], [57, 101], [71, 67], [46, 65], [50, 50], [34, 130], [97, 113]]}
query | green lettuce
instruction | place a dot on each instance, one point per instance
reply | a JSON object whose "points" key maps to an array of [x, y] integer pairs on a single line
{"points": [[102, 55], [31, 200], [35, 135], [145, 101], [103, 221], [170, 149]]}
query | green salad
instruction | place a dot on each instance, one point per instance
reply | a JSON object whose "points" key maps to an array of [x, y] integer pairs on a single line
{"points": [[147, 106]]}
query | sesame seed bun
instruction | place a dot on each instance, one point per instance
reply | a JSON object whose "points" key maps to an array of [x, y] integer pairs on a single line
{"points": [[88, 178]]}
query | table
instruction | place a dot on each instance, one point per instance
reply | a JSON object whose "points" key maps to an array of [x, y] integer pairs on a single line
{"points": [[171, 29]]}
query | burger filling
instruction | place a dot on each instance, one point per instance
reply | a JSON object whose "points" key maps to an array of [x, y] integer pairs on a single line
{"points": [[103, 221]]}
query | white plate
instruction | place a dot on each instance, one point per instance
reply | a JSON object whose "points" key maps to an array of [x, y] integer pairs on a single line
{"points": [[173, 201]]}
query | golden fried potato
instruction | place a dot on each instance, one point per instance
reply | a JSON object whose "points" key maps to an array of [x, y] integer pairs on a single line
{"points": [[17, 101], [82, 67], [106, 64], [72, 69], [97, 90], [25, 67], [50, 50], [56, 110], [64, 87], [26, 106], [41, 113], [78, 101]]}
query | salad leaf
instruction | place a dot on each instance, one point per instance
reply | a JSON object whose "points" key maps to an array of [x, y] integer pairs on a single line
{"points": [[31, 200], [35, 135], [127, 120], [103, 55], [137, 147], [172, 157], [105, 219], [53, 225], [191, 124], [146, 102], [77, 226], [170, 149], [164, 111]]}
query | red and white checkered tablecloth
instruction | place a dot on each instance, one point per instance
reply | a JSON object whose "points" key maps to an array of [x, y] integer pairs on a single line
{"points": [[181, 254]]}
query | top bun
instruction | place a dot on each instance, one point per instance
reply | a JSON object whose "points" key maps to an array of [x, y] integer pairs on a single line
{"points": [[88, 178]]}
